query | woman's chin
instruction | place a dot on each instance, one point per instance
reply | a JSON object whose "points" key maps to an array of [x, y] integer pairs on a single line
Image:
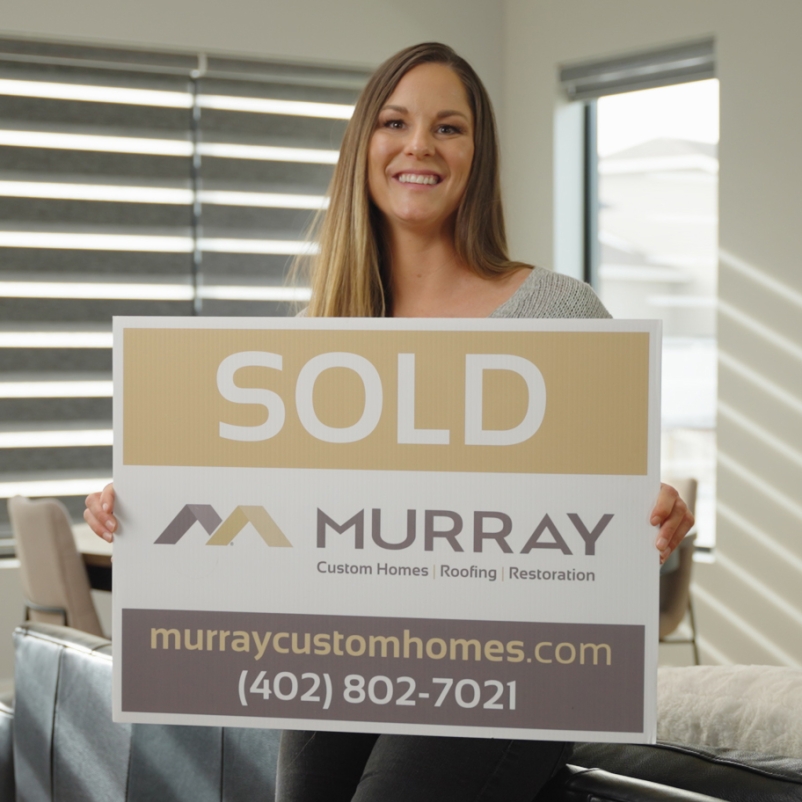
{"points": [[423, 221]]}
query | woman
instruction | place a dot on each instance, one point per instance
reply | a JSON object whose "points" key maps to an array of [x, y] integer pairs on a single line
{"points": [[415, 229]]}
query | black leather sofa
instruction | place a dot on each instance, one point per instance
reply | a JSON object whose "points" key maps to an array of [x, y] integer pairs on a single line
{"points": [[59, 744]]}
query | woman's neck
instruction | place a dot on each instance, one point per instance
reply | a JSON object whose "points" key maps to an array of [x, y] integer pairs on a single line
{"points": [[425, 272], [427, 279]]}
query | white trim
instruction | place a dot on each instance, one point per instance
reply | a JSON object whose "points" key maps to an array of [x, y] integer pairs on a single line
{"points": [[271, 200], [95, 142], [253, 293], [164, 195], [76, 438], [164, 147], [147, 243], [33, 488], [290, 108], [265, 246], [95, 192], [224, 150], [55, 339], [57, 389], [96, 94], [96, 291], [133, 292], [171, 99]]}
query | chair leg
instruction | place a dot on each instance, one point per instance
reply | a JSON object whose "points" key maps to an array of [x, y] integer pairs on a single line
{"points": [[693, 632]]}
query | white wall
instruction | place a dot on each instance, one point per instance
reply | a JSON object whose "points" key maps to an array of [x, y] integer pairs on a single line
{"points": [[749, 602], [349, 32]]}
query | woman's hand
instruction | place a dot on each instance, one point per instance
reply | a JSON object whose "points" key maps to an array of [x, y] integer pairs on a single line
{"points": [[99, 513], [673, 517]]}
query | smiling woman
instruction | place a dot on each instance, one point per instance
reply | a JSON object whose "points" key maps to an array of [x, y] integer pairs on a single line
{"points": [[415, 228]]}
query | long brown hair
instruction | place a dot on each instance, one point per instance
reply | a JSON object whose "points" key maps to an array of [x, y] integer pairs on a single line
{"points": [[349, 271]]}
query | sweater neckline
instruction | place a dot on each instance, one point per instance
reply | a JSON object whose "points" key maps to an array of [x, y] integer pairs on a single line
{"points": [[524, 289]]}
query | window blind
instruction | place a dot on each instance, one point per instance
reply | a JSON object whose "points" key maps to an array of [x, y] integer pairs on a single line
{"points": [[694, 61], [139, 183]]}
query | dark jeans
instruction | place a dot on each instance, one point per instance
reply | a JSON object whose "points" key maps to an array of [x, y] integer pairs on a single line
{"points": [[335, 767]]}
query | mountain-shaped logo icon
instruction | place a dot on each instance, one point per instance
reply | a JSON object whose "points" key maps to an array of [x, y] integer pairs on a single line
{"points": [[223, 532]]}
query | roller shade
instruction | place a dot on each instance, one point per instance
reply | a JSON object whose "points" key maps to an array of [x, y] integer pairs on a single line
{"points": [[694, 61], [139, 183]]}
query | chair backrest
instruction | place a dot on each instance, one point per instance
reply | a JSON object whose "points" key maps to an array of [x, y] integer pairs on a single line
{"points": [[52, 571], [675, 587]]}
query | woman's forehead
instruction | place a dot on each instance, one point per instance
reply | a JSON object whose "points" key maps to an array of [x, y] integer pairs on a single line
{"points": [[430, 87]]}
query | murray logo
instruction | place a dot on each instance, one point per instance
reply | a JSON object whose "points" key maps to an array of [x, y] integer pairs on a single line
{"points": [[223, 532]]}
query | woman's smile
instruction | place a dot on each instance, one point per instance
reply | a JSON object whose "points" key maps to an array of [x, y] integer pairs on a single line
{"points": [[421, 179]]}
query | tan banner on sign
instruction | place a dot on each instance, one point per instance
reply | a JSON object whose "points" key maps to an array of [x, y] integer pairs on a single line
{"points": [[595, 418]]}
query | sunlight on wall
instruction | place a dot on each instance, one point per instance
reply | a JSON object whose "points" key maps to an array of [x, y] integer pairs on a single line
{"points": [[750, 599]]}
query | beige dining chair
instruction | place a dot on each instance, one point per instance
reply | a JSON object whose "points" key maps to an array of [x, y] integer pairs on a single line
{"points": [[54, 580], [675, 586]]}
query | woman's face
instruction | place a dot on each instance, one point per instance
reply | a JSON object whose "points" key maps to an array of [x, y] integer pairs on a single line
{"points": [[421, 150]]}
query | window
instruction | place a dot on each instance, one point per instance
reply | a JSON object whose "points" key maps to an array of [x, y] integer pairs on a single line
{"points": [[651, 245], [658, 244]]}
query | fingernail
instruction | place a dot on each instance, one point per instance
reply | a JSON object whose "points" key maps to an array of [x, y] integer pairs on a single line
{"points": [[107, 537], [655, 521], [105, 508], [110, 525], [661, 544]]}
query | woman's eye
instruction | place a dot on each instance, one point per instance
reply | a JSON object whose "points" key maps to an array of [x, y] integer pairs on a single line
{"points": [[393, 124], [449, 129]]}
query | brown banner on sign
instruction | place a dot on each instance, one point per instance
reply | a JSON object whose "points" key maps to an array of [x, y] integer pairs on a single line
{"points": [[395, 670], [594, 415]]}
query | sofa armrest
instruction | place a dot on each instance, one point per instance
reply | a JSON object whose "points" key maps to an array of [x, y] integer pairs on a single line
{"points": [[728, 774], [7, 785], [577, 784]]}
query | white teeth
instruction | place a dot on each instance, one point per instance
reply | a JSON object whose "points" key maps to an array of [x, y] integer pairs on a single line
{"points": [[413, 178]]}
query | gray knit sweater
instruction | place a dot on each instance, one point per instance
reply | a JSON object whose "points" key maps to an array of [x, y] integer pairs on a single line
{"points": [[552, 295], [548, 295]]}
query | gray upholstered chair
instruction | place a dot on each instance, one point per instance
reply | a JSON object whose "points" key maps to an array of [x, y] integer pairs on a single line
{"points": [[54, 580]]}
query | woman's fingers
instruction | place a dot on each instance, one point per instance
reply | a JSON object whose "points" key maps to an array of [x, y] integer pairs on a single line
{"points": [[669, 537], [98, 528], [98, 511], [673, 517], [685, 521], [107, 498], [666, 499]]}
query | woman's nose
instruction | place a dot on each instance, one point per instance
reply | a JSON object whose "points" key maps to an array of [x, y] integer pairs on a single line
{"points": [[420, 142]]}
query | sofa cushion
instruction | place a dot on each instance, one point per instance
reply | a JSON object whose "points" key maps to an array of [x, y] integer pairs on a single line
{"points": [[249, 768], [175, 762], [90, 751]]}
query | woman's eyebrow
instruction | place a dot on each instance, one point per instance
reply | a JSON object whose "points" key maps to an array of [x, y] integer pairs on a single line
{"points": [[451, 113], [440, 114]]}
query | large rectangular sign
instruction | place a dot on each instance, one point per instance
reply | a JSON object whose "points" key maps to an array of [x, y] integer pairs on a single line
{"points": [[411, 526]]}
